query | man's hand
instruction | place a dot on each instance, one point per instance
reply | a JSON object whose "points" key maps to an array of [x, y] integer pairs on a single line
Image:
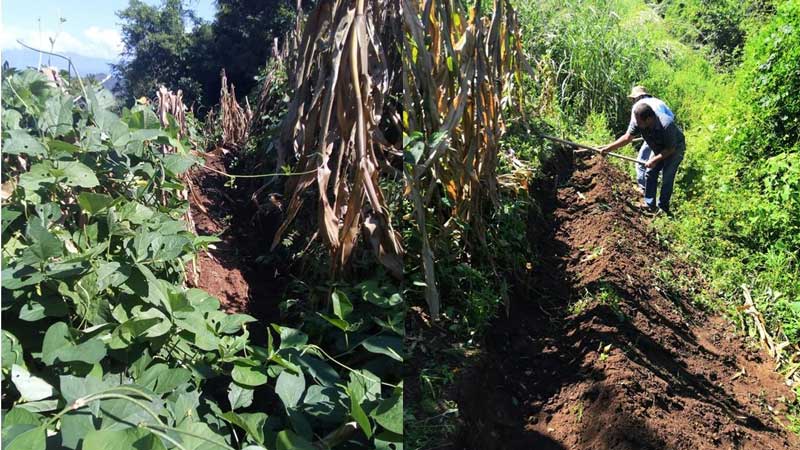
{"points": [[604, 149], [653, 161]]}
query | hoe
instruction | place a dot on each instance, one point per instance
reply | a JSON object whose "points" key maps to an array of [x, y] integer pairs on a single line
{"points": [[576, 145]]}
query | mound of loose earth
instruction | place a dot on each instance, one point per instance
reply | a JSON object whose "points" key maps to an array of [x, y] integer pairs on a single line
{"points": [[635, 366]]}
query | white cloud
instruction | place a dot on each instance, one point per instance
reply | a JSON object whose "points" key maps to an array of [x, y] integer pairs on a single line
{"points": [[105, 38], [95, 42]]}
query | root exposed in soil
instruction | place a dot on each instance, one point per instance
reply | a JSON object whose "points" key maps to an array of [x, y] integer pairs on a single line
{"points": [[635, 365], [229, 270]]}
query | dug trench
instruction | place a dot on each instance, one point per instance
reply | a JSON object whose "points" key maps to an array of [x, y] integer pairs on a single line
{"points": [[607, 351], [233, 269]]}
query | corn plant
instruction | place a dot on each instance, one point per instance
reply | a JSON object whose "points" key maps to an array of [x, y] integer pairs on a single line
{"points": [[462, 71], [341, 80]]}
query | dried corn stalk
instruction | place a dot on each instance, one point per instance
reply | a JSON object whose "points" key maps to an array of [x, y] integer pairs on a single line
{"points": [[786, 354], [171, 104], [340, 82], [461, 72], [235, 118]]}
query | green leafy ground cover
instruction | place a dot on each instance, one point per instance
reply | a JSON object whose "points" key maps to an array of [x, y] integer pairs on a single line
{"points": [[104, 347]]}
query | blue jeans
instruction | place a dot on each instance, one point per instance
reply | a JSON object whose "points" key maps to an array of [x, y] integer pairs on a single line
{"points": [[648, 178]]}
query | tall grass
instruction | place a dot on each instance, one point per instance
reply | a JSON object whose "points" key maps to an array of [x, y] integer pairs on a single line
{"points": [[739, 186]]}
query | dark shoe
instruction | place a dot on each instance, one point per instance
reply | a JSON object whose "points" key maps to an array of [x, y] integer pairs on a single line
{"points": [[646, 209], [665, 211]]}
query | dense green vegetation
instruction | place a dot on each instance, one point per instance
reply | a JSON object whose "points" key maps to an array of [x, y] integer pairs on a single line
{"points": [[105, 347]]}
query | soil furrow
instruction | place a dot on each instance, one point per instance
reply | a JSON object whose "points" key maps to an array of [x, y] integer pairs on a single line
{"points": [[611, 354]]}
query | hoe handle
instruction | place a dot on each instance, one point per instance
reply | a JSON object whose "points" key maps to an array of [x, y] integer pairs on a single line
{"points": [[575, 144]]}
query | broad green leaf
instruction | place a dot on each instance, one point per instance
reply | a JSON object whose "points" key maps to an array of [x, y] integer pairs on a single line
{"points": [[100, 99], [341, 305], [74, 426], [40, 406], [162, 327], [321, 371], [43, 244], [12, 351], [142, 117], [387, 345], [290, 388], [58, 345], [169, 379], [93, 203], [413, 152], [110, 274], [90, 352], [131, 329], [136, 213], [325, 403], [190, 442], [149, 377], [287, 440], [239, 397], [252, 423], [56, 338], [56, 119], [356, 392], [19, 416], [232, 323], [290, 337], [249, 376], [119, 414], [176, 164], [389, 414], [185, 406], [31, 388], [335, 321], [10, 119], [9, 216], [33, 181], [73, 388], [147, 134], [127, 439], [386, 440], [32, 438], [19, 141], [202, 300], [77, 174], [58, 147], [48, 306]]}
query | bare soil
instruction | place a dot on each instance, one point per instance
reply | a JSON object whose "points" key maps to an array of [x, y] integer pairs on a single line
{"points": [[230, 269], [638, 367]]}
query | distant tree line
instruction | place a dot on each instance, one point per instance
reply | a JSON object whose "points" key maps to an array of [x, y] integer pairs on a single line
{"points": [[169, 44]]}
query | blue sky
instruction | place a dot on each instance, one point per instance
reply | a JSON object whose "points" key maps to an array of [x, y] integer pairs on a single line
{"points": [[91, 29]]}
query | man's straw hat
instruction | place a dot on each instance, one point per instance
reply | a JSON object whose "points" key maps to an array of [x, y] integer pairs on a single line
{"points": [[638, 91]]}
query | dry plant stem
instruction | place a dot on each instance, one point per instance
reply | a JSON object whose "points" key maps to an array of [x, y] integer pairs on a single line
{"points": [[431, 292], [331, 131], [461, 68]]}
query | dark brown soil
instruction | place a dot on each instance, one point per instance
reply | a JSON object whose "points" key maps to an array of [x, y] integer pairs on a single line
{"points": [[229, 270], [639, 367]]}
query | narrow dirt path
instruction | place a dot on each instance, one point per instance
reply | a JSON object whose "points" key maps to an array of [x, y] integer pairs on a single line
{"points": [[634, 365], [230, 269]]}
